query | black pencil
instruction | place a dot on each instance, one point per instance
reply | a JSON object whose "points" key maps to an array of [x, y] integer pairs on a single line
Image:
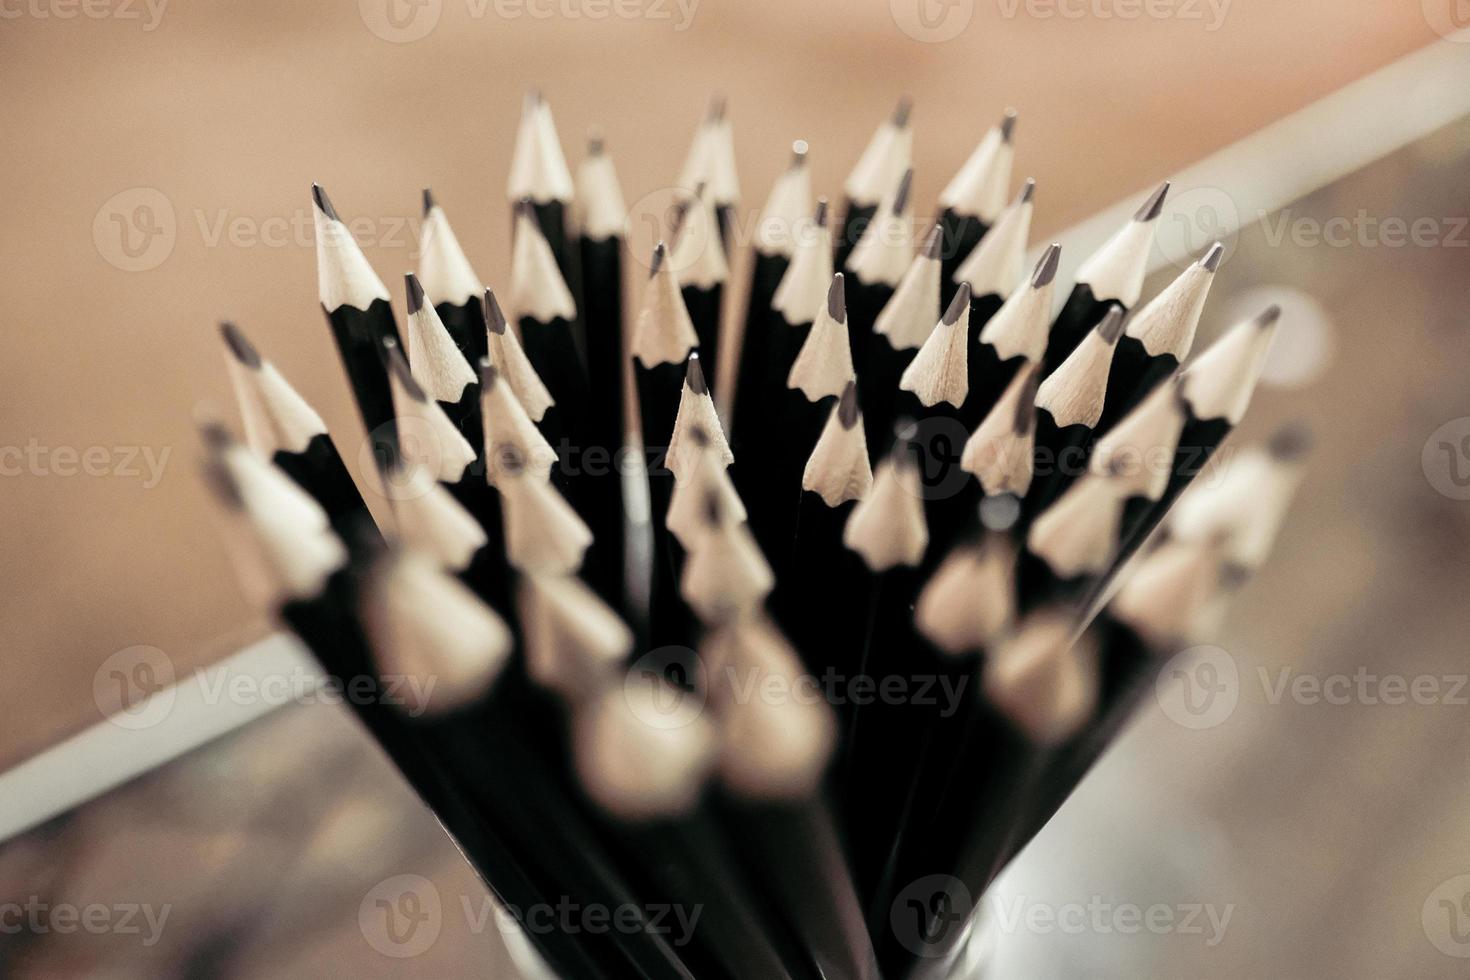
{"points": [[996, 264], [887, 530], [774, 753], [450, 282], [776, 233], [441, 370], [648, 773], [538, 172], [602, 218], [814, 595], [546, 315], [819, 374], [902, 327], [1038, 688], [799, 297], [1158, 337], [1069, 405], [1112, 274], [357, 308], [888, 154], [1013, 336], [711, 162], [698, 254], [319, 597], [972, 200], [432, 448], [280, 426], [663, 338], [877, 265]]}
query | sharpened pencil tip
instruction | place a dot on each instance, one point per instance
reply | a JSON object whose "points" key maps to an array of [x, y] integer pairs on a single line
{"points": [[1268, 316], [526, 208], [595, 142], [934, 242], [239, 345], [660, 251], [1213, 257], [901, 199], [717, 106], [712, 509], [1027, 192], [1046, 267], [1291, 442], [323, 203], [799, 150], [494, 317], [1110, 327], [694, 375], [821, 214], [700, 436], [429, 201], [837, 299], [902, 111], [849, 412], [415, 292], [512, 462], [1151, 207], [960, 304], [1007, 125], [216, 437]]}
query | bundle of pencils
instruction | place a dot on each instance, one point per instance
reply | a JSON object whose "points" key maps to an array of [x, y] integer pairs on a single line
{"points": [[792, 720]]}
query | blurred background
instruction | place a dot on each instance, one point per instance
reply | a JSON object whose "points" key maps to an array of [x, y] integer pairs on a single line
{"points": [[1330, 830]]}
